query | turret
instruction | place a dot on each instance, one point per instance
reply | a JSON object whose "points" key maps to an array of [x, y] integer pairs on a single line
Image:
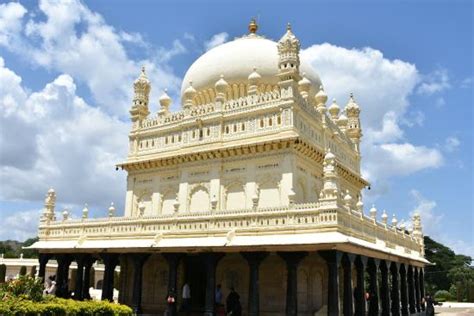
{"points": [[189, 95], [289, 61], [254, 79], [303, 86], [330, 178], [49, 205], [139, 110], [165, 102], [353, 129], [221, 87]]}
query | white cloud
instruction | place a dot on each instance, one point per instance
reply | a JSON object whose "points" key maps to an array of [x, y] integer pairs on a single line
{"points": [[451, 144], [436, 82], [382, 88], [73, 39], [11, 15], [52, 137], [430, 219], [216, 40], [20, 225]]}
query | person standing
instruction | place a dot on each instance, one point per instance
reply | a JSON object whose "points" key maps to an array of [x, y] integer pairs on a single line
{"points": [[233, 303], [429, 306], [220, 310], [171, 303], [186, 306]]}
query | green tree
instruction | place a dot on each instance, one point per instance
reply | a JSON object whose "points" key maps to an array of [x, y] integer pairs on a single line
{"points": [[463, 277], [30, 253]]}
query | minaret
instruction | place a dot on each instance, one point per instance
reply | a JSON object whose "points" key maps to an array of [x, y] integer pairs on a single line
{"points": [[353, 129], [418, 232], [49, 205], [289, 62], [139, 110]]}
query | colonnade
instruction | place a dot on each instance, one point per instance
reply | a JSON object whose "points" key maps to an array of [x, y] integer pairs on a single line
{"points": [[393, 288]]}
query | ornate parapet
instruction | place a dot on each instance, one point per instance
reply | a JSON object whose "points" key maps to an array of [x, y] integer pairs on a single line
{"points": [[298, 219]]}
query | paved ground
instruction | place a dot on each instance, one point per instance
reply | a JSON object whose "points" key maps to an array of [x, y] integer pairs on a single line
{"points": [[452, 309]]}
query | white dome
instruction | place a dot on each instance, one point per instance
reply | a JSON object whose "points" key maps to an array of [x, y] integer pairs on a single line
{"points": [[236, 60]]}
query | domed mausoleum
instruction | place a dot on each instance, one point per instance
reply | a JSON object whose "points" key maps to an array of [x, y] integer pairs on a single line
{"points": [[253, 184]]}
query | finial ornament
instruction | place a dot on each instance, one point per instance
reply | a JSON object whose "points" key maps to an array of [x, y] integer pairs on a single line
{"points": [[288, 26], [111, 209], [253, 26], [85, 211]]}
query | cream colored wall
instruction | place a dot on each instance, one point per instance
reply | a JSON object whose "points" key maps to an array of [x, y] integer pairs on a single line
{"points": [[229, 183]]}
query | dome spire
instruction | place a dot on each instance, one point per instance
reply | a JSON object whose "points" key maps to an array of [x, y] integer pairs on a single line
{"points": [[253, 26]]}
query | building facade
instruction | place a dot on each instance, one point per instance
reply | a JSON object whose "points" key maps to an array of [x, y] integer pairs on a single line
{"points": [[253, 184]]}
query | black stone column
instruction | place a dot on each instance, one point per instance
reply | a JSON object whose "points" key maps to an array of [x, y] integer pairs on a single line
{"points": [[62, 275], [254, 260], [417, 290], [79, 290], [138, 262], [292, 260], [347, 306], [411, 290], [422, 287], [88, 262], [173, 260], [359, 293], [211, 259], [395, 290], [403, 290], [373, 288], [333, 259], [110, 261], [43, 261], [384, 289]]}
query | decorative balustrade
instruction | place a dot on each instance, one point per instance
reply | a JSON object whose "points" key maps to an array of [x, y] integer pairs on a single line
{"points": [[303, 217]]}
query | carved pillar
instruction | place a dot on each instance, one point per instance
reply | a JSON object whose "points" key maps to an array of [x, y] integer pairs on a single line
{"points": [[411, 290], [384, 289], [110, 261], [373, 288], [78, 290], [359, 293], [417, 290], [43, 261], [403, 290], [211, 259], [62, 275], [173, 260], [333, 258], [395, 290], [292, 260], [138, 262], [347, 307], [254, 259], [422, 287], [88, 262]]}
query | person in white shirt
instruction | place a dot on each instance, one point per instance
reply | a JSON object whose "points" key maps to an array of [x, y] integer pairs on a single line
{"points": [[186, 306]]}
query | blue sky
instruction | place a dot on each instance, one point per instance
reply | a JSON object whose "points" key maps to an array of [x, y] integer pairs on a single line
{"points": [[66, 73]]}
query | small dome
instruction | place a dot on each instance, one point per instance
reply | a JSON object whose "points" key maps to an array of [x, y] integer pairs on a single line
{"points": [[221, 85], [190, 92], [329, 155], [165, 99], [334, 109], [321, 97], [342, 120], [254, 77], [304, 83], [236, 59]]}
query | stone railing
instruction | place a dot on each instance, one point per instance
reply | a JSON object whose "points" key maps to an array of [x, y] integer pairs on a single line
{"points": [[209, 109], [299, 217]]}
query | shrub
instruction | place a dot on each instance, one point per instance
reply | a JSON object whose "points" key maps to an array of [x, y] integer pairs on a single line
{"points": [[60, 306], [443, 296], [24, 287]]}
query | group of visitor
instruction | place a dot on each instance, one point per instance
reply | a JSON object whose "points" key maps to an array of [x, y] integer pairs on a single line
{"points": [[231, 308]]}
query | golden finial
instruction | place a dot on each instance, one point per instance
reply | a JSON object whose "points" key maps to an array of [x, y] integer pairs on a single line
{"points": [[253, 26], [288, 26], [143, 69]]}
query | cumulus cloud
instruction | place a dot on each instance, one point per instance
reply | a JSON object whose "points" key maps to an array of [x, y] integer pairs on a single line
{"points": [[382, 88], [73, 39], [52, 137], [429, 216], [216, 40]]}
